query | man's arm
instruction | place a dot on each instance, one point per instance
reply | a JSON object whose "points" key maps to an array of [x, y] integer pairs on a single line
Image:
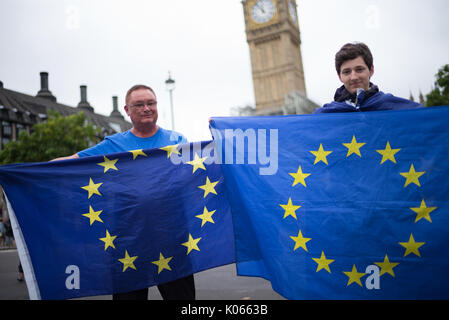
{"points": [[73, 156]]}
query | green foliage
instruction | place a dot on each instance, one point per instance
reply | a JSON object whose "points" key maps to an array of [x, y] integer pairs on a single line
{"points": [[58, 136], [440, 95]]}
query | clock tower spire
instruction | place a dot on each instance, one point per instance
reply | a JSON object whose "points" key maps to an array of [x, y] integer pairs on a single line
{"points": [[273, 36]]}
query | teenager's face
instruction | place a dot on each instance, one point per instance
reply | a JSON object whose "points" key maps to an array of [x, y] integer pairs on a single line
{"points": [[355, 74]]}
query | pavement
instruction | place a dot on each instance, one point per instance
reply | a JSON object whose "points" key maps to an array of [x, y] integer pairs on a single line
{"points": [[220, 283]]}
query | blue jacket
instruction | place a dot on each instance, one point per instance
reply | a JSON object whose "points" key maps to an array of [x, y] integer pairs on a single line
{"points": [[377, 101]]}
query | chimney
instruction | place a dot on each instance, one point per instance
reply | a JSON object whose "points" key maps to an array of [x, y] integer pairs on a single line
{"points": [[83, 104], [115, 113], [44, 92]]}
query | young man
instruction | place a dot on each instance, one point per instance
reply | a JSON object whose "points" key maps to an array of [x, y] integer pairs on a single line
{"points": [[354, 65], [141, 107]]}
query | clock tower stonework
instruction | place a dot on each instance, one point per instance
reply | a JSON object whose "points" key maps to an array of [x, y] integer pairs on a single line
{"points": [[272, 32]]}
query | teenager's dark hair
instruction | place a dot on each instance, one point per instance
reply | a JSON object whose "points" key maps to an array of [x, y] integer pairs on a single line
{"points": [[351, 51]]}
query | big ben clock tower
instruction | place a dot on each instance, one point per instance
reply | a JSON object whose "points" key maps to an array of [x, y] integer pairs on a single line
{"points": [[272, 32]]}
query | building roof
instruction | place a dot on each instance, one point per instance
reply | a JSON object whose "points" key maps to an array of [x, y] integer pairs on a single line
{"points": [[29, 110]]}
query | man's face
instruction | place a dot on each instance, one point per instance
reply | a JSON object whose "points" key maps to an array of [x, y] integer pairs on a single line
{"points": [[355, 74], [142, 108]]}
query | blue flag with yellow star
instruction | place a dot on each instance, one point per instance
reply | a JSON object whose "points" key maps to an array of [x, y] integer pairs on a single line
{"points": [[121, 222], [341, 206]]}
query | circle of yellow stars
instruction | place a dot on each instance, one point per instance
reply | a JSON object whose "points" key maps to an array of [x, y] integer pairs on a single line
{"points": [[163, 263], [354, 148]]}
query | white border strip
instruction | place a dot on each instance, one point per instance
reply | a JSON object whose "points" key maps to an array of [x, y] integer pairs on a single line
{"points": [[25, 259]]}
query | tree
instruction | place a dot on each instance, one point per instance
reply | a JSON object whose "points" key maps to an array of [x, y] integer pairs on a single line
{"points": [[439, 96], [56, 137], [247, 110]]}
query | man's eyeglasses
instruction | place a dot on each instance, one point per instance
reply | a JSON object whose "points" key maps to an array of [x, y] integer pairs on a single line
{"points": [[140, 105]]}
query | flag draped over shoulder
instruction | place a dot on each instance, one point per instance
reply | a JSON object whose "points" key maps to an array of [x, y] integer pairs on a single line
{"points": [[121, 222], [341, 206]]}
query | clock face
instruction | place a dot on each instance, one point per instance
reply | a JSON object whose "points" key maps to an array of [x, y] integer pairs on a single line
{"points": [[263, 11], [292, 11]]}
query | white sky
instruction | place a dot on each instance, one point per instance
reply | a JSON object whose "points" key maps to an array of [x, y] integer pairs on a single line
{"points": [[110, 45]]}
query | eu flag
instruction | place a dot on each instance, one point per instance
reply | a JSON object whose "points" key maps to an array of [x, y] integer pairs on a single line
{"points": [[120, 222], [341, 206]]}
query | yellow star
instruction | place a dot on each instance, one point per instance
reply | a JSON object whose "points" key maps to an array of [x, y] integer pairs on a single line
{"points": [[206, 216], [323, 263], [321, 155], [137, 153], [162, 263], [197, 162], [171, 149], [290, 209], [209, 187], [300, 177], [108, 240], [411, 246], [191, 244], [93, 215], [108, 164], [388, 153], [128, 262], [386, 266], [92, 188], [300, 241], [423, 212], [412, 176], [354, 276], [354, 147]]}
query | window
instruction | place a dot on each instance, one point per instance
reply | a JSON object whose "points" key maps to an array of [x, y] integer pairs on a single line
{"points": [[19, 129], [6, 129]]}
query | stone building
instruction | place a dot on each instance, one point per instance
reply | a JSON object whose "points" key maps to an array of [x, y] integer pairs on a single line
{"points": [[20, 111], [274, 41]]}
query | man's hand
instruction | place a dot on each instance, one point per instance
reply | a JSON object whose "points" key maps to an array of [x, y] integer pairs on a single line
{"points": [[73, 156]]}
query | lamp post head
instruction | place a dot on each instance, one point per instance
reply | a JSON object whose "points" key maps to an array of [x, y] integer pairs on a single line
{"points": [[170, 83]]}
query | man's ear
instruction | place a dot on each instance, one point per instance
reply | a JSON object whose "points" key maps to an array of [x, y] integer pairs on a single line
{"points": [[126, 109], [371, 72], [339, 77]]}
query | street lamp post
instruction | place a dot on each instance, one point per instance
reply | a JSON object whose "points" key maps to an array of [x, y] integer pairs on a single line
{"points": [[170, 85]]}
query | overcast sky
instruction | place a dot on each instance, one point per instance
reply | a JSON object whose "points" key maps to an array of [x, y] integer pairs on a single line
{"points": [[110, 45]]}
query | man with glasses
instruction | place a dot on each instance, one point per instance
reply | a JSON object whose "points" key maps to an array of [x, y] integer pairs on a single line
{"points": [[141, 107]]}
